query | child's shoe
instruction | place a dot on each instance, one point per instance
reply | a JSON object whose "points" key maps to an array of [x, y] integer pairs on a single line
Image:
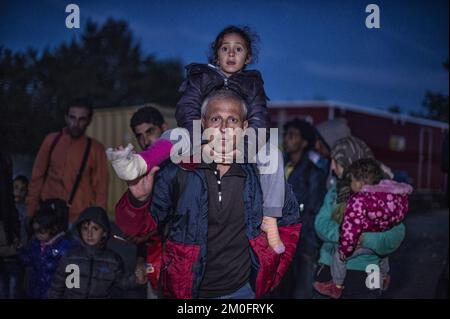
{"points": [[270, 227], [328, 288], [127, 165]]}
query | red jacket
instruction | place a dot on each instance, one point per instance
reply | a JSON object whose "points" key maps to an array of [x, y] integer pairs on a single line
{"points": [[183, 259]]}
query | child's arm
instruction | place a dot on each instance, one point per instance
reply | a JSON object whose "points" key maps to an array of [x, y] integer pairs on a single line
{"points": [[123, 281], [258, 114], [351, 227], [58, 285], [189, 106]]}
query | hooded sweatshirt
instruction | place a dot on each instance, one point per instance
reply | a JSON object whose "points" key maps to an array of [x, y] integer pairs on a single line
{"points": [[100, 269]]}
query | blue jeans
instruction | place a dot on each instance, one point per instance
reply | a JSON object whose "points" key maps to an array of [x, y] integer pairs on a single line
{"points": [[245, 292]]}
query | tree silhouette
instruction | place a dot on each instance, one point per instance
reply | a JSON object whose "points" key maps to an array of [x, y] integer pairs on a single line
{"points": [[435, 104], [105, 65]]}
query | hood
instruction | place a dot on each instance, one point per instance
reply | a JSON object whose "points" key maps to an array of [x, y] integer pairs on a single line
{"points": [[98, 216], [389, 186]]}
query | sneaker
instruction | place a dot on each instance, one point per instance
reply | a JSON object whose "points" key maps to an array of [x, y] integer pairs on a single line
{"points": [[328, 288]]}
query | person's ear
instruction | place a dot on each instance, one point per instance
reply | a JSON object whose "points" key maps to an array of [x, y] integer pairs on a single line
{"points": [[203, 122], [245, 125], [164, 126], [248, 60]]}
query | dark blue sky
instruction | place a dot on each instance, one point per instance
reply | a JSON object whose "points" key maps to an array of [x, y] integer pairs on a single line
{"points": [[309, 49]]}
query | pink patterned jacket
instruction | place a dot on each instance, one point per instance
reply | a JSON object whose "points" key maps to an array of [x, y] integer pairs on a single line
{"points": [[376, 208]]}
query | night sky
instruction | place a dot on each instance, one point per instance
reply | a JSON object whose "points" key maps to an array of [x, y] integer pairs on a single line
{"points": [[309, 49]]}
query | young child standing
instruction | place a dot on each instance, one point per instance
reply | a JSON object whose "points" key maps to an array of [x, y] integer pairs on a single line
{"points": [[376, 205], [233, 49], [44, 252], [100, 269]]}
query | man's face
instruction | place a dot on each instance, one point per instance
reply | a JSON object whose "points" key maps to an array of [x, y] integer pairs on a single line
{"points": [[147, 134], [293, 141], [77, 121], [223, 114], [92, 233], [20, 191]]}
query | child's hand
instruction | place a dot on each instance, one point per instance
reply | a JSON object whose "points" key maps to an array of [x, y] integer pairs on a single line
{"points": [[360, 241], [342, 256], [141, 276]]}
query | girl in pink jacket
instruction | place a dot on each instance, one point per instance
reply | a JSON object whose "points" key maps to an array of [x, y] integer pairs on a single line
{"points": [[376, 205]]}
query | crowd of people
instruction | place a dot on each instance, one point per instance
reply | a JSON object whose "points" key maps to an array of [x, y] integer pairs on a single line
{"points": [[218, 228]]}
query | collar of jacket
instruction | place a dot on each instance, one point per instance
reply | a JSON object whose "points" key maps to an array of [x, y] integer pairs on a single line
{"points": [[52, 240], [242, 82], [235, 169], [65, 132]]}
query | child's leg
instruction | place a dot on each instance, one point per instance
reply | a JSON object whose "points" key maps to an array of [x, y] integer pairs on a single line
{"points": [[384, 266], [384, 271], [334, 287], [273, 189], [338, 269]]}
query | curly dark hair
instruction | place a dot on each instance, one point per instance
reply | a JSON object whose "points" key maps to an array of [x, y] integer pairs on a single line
{"points": [[306, 130], [367, 170], [250, 37], [45, 219], [147, 114]]}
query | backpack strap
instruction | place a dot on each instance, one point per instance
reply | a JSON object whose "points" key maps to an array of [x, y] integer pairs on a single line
{"points": [[52, 148], [80, 171]]}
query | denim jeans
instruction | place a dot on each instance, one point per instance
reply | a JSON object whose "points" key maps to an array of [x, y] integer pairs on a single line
{"points": [[245, 292]]}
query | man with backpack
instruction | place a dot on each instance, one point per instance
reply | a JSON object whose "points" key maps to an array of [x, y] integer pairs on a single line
{"points": [[70, 166]]}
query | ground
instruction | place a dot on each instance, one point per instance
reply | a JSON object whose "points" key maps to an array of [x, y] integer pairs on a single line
{"points": [[418, 263], [415, 266]]}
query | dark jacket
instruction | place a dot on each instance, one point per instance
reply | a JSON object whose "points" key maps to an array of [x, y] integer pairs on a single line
{"points": [[100, 269], [309, 185], [185, 254], [9, 218], [43, 261], [202, 79]]}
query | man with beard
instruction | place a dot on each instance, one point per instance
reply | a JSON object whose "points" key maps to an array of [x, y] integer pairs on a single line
{"points": [[70, 166]]}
